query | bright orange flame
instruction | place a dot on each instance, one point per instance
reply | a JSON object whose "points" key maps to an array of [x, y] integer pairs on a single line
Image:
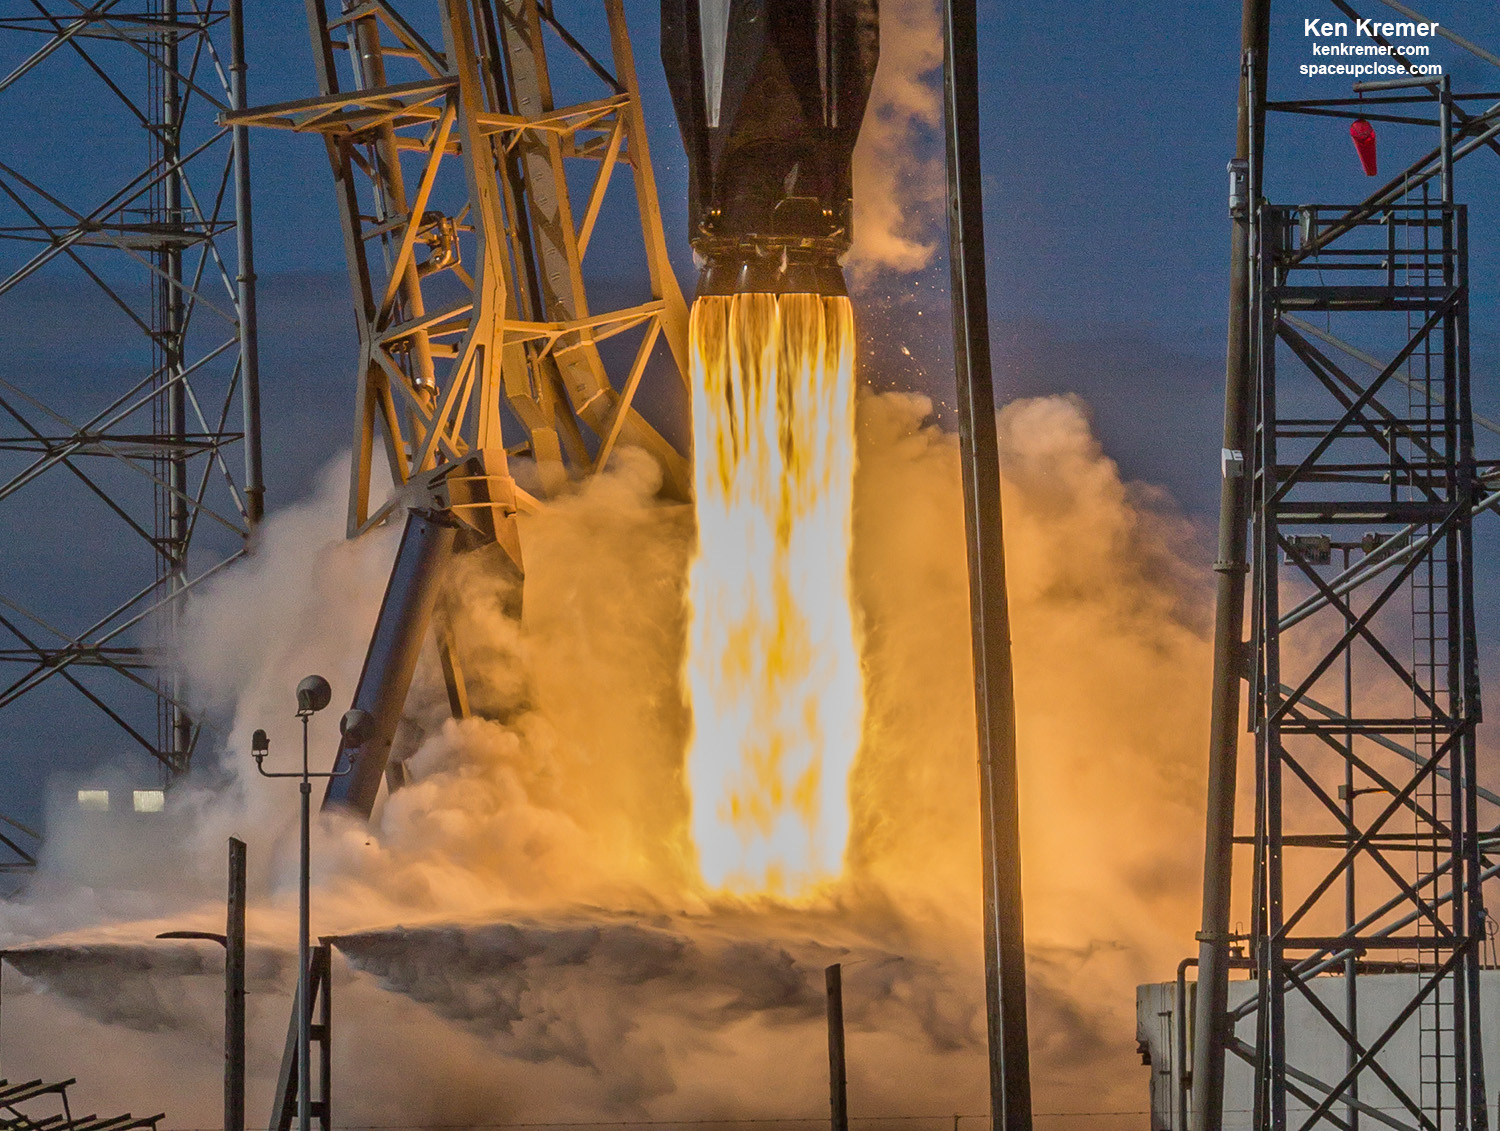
{"points": [[773, 664]]}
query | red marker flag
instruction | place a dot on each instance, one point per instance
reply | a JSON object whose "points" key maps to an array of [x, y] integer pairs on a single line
{"points": [[1364, 144]]}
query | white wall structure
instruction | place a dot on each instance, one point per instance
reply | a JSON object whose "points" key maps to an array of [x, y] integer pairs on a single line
{"points": [[1418, 1059]]}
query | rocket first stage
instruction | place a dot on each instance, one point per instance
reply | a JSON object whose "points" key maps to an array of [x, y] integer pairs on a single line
{"points": [[769, 96]]}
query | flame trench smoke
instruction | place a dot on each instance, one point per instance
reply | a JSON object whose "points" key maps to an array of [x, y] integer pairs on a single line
{"points": [[555, 966], [773, 671]]}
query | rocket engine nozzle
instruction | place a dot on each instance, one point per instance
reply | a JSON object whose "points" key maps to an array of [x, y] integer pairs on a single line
{"points": [[770, 95]]}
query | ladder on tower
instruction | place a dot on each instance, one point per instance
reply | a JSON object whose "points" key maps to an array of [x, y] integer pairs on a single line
{"points": [[1433, 675], [319, 1007]]}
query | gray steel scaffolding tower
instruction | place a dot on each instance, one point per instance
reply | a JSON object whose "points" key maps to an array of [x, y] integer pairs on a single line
{"points": [[129, 410], [1350, 488]]}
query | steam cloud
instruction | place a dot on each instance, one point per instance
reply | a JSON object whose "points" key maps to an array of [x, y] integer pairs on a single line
{"points": [[555, 960], [898, 171], [520, 934]]}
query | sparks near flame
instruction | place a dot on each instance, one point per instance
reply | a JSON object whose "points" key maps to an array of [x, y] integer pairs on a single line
{"points": [[773, 669]]}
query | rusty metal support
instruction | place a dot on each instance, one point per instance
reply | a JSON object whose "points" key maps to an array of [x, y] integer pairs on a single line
{"points": [[1209, 1027], [994, 692], [234, 991], [838, 1076]]}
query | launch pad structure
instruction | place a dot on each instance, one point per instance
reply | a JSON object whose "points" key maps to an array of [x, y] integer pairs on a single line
{"points": [[454, 129], [1350, 488], [478, 319], [457, 132], [141, 416]]}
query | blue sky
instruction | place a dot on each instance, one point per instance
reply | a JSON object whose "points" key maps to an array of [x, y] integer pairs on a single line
{"points": [[1106, 130]]}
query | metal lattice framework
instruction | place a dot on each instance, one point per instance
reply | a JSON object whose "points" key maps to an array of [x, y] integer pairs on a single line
{"points": [[36, 1104], [452, 143], [1364, 699], [1351, 484], [128, 262]]}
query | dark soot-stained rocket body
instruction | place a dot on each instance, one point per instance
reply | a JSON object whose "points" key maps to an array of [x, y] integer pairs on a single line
{"points": [[770, 95]]}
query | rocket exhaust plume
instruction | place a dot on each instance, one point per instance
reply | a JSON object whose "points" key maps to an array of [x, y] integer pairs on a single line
{"points": [[773, 664], [769, 95]]}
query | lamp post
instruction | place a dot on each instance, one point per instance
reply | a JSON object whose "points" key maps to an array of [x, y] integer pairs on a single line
{"points": [[313, 694]]}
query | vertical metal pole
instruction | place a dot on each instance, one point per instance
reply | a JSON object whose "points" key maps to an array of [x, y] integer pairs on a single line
{"points": [[1445, 144], [255, 488], [838, 1080], [179, 738], [1213, 952], [1351, 963], [304, 1001], [234, 992], [994, 695], [1468, 677], [1270, 950]]}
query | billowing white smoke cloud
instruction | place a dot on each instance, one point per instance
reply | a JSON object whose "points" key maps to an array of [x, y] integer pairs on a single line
{"points": [[554, 958], [898, 172]]}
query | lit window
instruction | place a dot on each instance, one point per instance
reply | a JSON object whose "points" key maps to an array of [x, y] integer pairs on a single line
{"points": [[95, 799], [150, 801]]}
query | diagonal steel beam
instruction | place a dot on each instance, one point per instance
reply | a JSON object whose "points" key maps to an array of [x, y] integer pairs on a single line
{"points": [[102, 20], [52, 45], [1376, 364]]}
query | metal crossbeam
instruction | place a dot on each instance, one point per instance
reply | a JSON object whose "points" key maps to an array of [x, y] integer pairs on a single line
{"points": [[20, 845], [22, 1105]]}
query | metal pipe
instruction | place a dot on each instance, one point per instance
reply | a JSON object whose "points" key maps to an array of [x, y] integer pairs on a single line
{"points": [[1393, 84], [234, 992], [400, 630], [1184, 1076], [838, 1081], [1351, 963], [1466, 664], [304, 901], [1218, 850], [255, 488], [1445, 143], [994, 692]]}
